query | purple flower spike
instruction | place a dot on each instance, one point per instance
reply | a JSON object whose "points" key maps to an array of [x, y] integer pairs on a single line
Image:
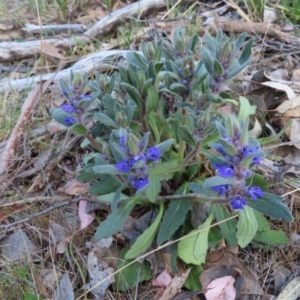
{"points": [[256, 160], [153, 154], [68, 108], [225, 170], [69, 121], [237, 201], [254, 192], [123, 166], [222, 189]]}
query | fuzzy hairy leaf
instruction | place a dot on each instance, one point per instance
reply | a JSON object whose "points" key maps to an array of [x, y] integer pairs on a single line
{"points": [[246, 226], [165, 170], [217, 180], [106, 120], [173, 218], [207, 59], [164, 146], [272, 206], [200, 189], [106, 169]]}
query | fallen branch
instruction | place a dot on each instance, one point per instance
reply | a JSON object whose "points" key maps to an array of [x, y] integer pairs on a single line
{"points": [[54, 29], [273, 30], [104, 26], [100, 61]]}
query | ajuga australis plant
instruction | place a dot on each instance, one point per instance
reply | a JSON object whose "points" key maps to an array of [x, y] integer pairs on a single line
{"points": [[155, 123]]}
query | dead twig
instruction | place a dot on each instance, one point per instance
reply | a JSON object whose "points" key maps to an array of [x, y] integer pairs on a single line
{"points": [[43, 212], [36, 199]]}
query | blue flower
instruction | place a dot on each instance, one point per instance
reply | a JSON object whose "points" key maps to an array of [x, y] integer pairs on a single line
{"points": [[139, 182], [256, 160], [249, 150], [69, 121], [245, 173], [122, 140], [254, 192], [153, 154], [85, 97], [123, 166], [222, 189], [68, 108], [237, 201], [225, 170]]}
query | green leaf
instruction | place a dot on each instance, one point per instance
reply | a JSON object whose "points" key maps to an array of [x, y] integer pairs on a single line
{"points": [[131, 275], [192, 282], [143, 242], [117, 151], [270, 238], [200, 189], [192, 249], [153, 189], [116, 199], [207, 59], [218, 68], [229, 147], [246, 52], [165, 170], [152, 99], [173, 218], [31, 296], [114, 222], [105, 186], [271, 205], [59, 115], [258, 180], [164, 146], [214, 237], [106, 169], [217, 180], [110, 197], [246, 226], [270, 139], [262, 222], [106, 120], [133, 93], [186, 136], [78, 129], [245, 109], [227, 228]]}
